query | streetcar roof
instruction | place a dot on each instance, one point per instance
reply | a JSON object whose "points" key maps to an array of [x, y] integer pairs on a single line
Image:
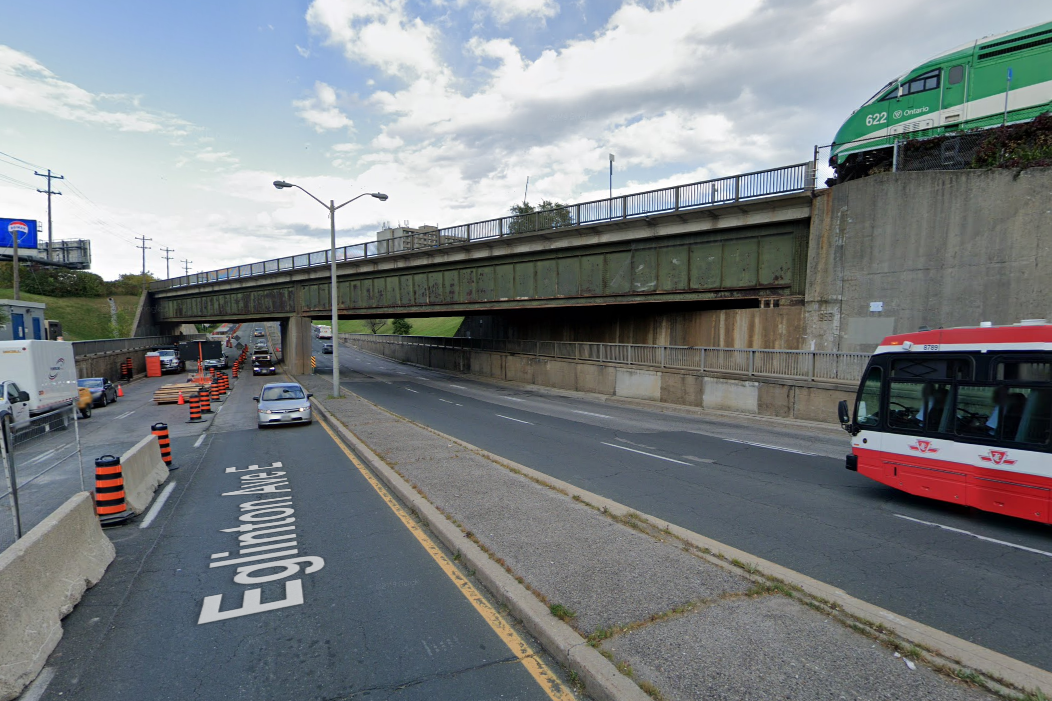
{"points": [[1026, 336]]}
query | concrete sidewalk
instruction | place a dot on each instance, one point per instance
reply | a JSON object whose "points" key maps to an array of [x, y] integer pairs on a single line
{"points": [[679, 622]]}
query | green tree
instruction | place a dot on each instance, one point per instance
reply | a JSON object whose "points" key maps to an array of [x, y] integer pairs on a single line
{"points": [[402, 327], [546, 215], [128, 284], [374, 325]]}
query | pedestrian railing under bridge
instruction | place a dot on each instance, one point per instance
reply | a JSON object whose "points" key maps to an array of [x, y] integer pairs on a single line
{"points": [[817, 366], [708, 193]]}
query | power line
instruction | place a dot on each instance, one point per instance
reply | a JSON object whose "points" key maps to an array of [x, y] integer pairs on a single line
{"points": [[49, 192], [167, 259], [34, 165]]}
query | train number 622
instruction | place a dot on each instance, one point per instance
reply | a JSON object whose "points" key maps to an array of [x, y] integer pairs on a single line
{"points": [[879, 118]]}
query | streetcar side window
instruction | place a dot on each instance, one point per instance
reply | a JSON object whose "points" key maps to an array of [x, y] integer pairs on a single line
{"points": [[1028, 415], [867, 411], [978, 410]]}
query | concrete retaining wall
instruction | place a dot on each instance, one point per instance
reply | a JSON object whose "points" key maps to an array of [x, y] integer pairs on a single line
{"points": [[790, 399], [42, 576], [143, 471]]}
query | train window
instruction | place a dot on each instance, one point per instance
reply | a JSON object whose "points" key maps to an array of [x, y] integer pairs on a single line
{"points": [[891, 94], [923, 368], [867, 412], [1027, 415], [922, 83], [955, 75], [1024, 371]]}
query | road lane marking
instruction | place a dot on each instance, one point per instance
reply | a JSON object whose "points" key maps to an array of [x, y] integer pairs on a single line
{"points": [[46, 454], [410, 390], [458, 386], [511, 419], [975, 535], [588, 413], [519, 647], [659, 457], [515, 399], [199, 441], [439, 399], [124, 415], [157, 505], [770, 447]]}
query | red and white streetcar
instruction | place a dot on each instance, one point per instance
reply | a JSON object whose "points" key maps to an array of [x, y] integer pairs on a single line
{"points": [[961, 415]]}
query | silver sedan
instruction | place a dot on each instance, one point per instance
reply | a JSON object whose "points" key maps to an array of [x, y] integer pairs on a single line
{"points": [[283, 403]]}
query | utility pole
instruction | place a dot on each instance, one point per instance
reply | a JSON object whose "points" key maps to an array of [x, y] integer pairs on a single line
{"points": [[186, 265], [49, 192], [611, 176], [167, 259], [144, 248], [14, 263]]}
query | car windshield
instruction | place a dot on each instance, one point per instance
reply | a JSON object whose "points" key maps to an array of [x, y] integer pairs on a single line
{"points": [[274, 394], [166, 353], [90, 382]]}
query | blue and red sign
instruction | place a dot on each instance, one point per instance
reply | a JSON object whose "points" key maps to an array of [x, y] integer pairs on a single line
{"points": [[24, 229]]}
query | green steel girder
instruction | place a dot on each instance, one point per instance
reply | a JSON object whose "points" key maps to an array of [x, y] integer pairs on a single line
{"points": [[756, 261]]}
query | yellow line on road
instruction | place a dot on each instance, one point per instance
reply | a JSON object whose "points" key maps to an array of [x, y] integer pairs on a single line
{"points": [[519, 647]]}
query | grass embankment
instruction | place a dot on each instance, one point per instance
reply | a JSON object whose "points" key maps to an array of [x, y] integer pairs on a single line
{"points": [[430, 326], [85, 318]]}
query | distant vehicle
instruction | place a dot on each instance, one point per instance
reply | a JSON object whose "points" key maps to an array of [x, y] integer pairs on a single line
{"points": [[43, 371], [262, 344], [997, 79], [102, 390], [324, 332], [283, 403], [959, 415], [326, 349], [259, 333], [264, 368], [170, 360], [217, 363]]}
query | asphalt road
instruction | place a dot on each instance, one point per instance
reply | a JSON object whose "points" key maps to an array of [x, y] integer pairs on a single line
{"points": [[780, 492], [379, 619]]}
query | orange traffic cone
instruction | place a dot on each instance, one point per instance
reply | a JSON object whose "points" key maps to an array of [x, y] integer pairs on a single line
{"points": [[120, 392], [181, 400]]}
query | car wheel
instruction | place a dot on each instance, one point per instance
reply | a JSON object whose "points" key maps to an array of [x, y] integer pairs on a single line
{"points": [[105, 397], [86, 411]]}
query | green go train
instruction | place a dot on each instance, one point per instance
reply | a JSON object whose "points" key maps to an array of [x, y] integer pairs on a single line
{"points": [[965, 88]]}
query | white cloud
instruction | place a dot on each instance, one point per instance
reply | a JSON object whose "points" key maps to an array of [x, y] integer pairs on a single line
{"points": [[321, 110], [504, 11], [25, 84]]}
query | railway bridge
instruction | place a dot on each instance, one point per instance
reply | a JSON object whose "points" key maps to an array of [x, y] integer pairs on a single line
{"points": [[741, 239]]}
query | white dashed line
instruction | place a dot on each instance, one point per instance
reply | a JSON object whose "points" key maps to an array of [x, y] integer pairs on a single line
{"points": [[511, 419], [770, 447], [42, 456], [457, 386], [200, 439], [157, 505], [410, 390], [975, 535], [588, 413], [440, 399], [659, 457], [125, 415]]}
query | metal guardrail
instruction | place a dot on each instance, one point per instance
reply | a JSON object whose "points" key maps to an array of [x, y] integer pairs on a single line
{"points": [[707, 193], [121, 345], [818, 366]]}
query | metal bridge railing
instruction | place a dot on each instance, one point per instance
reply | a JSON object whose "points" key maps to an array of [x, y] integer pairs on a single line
{"points": [[818, 366], [708, 193]]}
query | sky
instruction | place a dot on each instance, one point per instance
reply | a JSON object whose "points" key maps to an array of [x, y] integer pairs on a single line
{"points": [[171, 120]]}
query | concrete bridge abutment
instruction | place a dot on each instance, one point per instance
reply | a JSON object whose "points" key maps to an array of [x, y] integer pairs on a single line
{"points": [[296, 344]]}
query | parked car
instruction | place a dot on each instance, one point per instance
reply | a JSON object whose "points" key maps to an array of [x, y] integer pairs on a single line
{"points": [[102, 390], [218, 363], [283, 403], [326, 349]]}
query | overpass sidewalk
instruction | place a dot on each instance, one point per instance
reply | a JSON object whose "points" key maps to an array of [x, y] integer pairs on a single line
{"points": [[678, 620]]}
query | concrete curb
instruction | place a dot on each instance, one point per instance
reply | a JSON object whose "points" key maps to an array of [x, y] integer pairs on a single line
{"points": [[144, 470], [601, 679], [995, 664], [42, 577]]}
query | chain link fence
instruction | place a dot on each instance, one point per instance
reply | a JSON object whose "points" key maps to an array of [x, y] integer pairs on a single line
{"points": [[953, 152], [42, 467]]}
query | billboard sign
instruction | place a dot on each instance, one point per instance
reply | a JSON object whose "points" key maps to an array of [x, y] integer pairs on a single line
{"points": [[24, 229]]}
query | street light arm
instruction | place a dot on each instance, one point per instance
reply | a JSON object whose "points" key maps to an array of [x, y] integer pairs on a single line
{"points": [[350, 200], [312, 197]]}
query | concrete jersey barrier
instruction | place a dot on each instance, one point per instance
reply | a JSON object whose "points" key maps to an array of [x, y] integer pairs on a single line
{"points": [[42, 576], [144, 470]]}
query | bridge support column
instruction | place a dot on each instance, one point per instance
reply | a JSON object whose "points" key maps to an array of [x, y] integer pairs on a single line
{"points": [[296, 343]]}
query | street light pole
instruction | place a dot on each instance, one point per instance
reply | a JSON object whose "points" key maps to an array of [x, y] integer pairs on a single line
{"points": [[335, 319], [332, 207]]}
